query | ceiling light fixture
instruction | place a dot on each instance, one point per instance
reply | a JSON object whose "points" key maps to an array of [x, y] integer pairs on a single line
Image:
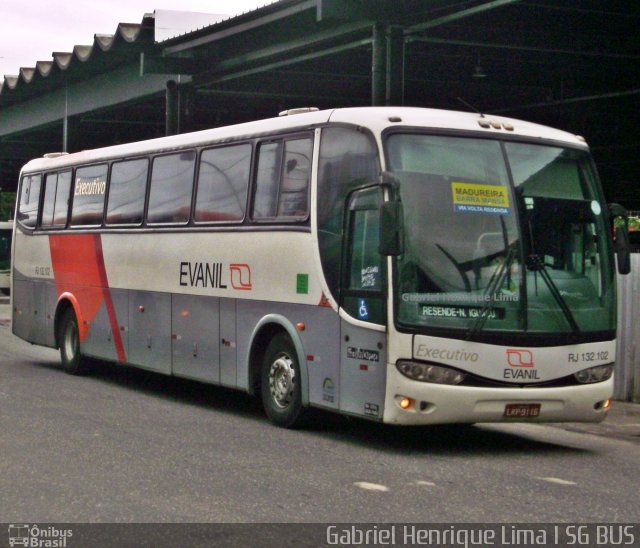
{"points": [[478, 71]]}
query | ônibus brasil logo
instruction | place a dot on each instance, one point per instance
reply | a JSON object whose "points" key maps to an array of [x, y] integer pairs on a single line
{"points": [[38, 537]]}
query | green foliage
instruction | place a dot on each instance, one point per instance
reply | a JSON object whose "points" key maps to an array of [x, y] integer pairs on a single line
{"points": [[7, 205], [634, 223]]}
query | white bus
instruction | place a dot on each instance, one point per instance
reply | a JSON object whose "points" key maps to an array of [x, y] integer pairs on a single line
{"points": [[405, 265], [6, 232]]}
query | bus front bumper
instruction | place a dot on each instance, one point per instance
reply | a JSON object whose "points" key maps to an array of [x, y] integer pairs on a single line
{"points": [[429, 403]]}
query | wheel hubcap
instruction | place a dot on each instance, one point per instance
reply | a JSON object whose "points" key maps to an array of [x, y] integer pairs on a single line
{"points": [[282, 377], [70, 342]]}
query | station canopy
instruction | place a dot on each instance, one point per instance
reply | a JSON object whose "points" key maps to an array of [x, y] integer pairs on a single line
{"points": [[570, 64]]}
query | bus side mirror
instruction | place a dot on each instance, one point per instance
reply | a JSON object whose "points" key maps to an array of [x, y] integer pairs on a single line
{"points": [[623, 248], [391, 243]]}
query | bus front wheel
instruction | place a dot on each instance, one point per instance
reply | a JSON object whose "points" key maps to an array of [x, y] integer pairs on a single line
{"points": [[69, 341], [280, 383]]}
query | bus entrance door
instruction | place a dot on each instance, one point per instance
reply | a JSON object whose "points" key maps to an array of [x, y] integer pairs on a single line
{"points": [[362, 372], [363, 354]]}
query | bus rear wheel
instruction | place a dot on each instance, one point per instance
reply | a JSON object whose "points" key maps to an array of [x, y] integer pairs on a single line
{"points": [[69, 341], [280, 383]]}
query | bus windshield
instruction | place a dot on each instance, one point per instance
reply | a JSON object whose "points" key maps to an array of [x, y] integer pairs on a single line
{"points": [[500, 236]]}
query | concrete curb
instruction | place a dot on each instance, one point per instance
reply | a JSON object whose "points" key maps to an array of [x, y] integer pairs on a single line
{"points": [[622, 422]]}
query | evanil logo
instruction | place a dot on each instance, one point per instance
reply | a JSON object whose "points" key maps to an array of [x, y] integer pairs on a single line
{"points": [[38, 537], [521, 365], [519, 358]]}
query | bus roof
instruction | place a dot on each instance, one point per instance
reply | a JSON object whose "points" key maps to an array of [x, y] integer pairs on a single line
{"points": [[375, 118], [380, 118]]}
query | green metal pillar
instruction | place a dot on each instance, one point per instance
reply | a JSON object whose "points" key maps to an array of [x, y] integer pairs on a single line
{"points": [[172, 108], [65, 121], [378, 65], [395, 66], [387, 65]]}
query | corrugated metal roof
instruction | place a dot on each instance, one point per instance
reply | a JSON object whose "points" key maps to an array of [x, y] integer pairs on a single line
{"points": [[104, 45], [126, 34], [172, 23], [221, 18]]}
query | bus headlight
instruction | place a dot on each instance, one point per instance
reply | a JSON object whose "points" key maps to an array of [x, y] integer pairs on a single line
{"points": [[598, 373], [428, 372]]}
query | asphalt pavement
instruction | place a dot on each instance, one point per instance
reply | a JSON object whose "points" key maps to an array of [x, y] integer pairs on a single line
{"points": [[622, 422]]}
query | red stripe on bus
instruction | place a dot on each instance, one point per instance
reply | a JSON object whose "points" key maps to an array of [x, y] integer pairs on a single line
{"points": [[108, 301], [79, 269], [76, 273]]}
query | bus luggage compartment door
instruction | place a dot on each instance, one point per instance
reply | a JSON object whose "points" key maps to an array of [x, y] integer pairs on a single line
{"points": [[228, 338], [32, 318], [103, 341], [150, 330], [196, 337]]}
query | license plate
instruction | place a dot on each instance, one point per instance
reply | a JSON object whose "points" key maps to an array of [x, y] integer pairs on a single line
{"points": [[522, 410]]}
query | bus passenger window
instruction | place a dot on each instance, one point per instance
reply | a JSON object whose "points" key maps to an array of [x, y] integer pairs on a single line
{"points": [[171, 188], [293, 200], [127, 187], [88, 195], [264, 204], [5, 246], [348, 159], [223, 182], [29, 199], [282, 182], [55, 207], [50, 184]]}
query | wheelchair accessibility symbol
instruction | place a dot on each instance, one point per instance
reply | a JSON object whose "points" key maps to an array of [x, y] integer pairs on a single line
{"points": [[363, 310]]}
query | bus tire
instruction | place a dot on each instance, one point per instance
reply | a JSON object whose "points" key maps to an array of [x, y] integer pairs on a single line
{"points": [[280, 383], [69, 342]]}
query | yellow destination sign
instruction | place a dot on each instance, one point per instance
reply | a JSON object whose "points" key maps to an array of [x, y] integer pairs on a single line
{"points": [[475, 197], [483, 195]]}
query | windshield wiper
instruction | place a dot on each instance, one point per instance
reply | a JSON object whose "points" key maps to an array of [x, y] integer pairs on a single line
{"points": [[495, 283], [493, 288], [535, 263], [460, 267]]}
